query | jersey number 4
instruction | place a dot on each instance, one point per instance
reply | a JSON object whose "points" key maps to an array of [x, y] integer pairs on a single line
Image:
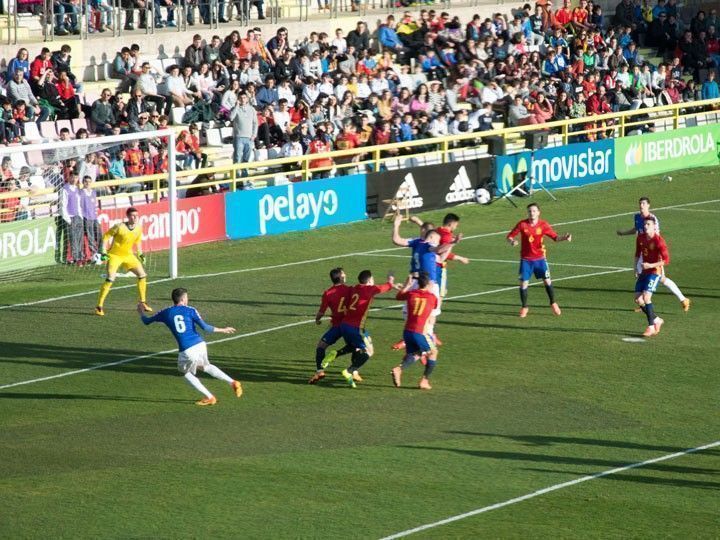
{"points": [[179, 324]]}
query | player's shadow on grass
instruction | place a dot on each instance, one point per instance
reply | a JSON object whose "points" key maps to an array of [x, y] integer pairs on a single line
{"points": [[277, 293], [523, 326], [516, 306], [629, 291], [251, 303], [96, 397], [567, 460], [674, 482], [552, 440]]}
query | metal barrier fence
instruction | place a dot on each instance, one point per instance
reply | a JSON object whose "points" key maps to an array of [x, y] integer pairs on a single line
{"points": [[201, 13], [375, 158], [121, 16]]}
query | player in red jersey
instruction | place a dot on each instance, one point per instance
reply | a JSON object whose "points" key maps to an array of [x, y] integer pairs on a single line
{"points": [[447, 238], [655, 255], [353, 325], [532, 254], [639, 228], [333, 299], [420, 304]]}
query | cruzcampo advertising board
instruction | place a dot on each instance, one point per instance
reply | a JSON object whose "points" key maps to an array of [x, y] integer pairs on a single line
{"points": [[654, 153]]}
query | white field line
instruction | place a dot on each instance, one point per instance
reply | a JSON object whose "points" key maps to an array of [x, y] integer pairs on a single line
{"points": [[550, 489], [281, 327], [516, 261], [696, 210], [334, 257]]}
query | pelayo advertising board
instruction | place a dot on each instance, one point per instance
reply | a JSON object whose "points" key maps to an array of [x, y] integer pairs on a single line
{"points": [[573, 165], [295, 207], [654, 153]]}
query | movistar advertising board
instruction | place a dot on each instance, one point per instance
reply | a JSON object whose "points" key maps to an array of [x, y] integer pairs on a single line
{"points": [[558, 167], [653, 153]]}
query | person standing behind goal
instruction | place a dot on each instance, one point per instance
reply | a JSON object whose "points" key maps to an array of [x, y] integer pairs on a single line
{"points": [[72, 217], [91, 225]]}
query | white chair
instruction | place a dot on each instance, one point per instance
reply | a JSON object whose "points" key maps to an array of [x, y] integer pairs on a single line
{"points": [[214, 138], [177, 115], [32, 134]]}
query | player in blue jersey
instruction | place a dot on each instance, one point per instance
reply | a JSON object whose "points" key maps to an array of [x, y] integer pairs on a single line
{"points": [[427, 252], [639, 228], [182, 319]]}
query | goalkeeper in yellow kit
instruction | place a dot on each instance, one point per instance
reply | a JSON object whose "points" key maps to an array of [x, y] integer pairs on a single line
{"points": [[124, 236]]}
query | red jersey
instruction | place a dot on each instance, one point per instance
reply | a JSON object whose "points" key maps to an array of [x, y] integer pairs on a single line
{"points": [[563, 16], [335, 299], [652, 250], [358, 302], [446, 237], [420, 304], [531, 238]]}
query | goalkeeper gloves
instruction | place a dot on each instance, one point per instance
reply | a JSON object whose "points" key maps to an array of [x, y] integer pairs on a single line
{"points": [[141, 257], [103, 256]]}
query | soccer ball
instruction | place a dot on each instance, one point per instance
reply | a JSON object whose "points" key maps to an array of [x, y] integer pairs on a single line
{"points": [[96, 259], [667, 178], [482, 196]]}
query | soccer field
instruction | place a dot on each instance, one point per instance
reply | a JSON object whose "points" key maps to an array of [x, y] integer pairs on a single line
{"points": [[100, 437]]}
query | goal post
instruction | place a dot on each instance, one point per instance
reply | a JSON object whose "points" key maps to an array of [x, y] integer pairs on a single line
{"points": [[47, 224]]}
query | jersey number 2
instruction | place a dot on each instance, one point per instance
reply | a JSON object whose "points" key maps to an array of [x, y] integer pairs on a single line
{"points": [[179, 324]]}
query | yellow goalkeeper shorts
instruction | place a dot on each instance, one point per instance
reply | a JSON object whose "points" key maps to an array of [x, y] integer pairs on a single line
{"points": [[129, 262]]}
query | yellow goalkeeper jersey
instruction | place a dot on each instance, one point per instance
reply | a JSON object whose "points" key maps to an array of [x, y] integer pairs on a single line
{"points": [[124, 239]]}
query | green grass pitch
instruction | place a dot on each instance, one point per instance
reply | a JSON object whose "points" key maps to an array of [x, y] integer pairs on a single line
{"points": [[518, 405]]}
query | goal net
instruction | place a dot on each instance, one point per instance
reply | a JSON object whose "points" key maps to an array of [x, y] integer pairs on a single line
{"points": [[57, 198]]}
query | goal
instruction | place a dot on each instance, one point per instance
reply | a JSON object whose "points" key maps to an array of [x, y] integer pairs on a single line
{"points": [[57, 197]]}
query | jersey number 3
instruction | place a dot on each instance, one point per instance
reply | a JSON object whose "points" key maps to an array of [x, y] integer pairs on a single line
{"points": [[179, 324]]}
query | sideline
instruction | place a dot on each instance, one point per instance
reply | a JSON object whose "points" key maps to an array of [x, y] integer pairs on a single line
{"points": [[281, 327], [549, 489], [310, 261]]}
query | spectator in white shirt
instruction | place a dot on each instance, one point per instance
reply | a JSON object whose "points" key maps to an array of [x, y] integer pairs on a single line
{"points": [[326, 85], [339, 42], [379, 83], [439, 126], [286, 92], [180, 94]]}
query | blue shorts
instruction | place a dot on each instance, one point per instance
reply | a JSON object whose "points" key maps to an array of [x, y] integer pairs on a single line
{"points": [[332, 335], [355, 337], [538, 267], [442, 280], [418, 343], [647, 283]]}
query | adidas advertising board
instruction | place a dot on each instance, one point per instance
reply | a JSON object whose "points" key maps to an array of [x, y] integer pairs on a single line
{"points": [[426, 188], [573, 165], [654, 153]]}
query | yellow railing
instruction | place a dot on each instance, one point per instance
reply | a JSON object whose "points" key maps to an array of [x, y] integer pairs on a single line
{"points": [[612, 124]]}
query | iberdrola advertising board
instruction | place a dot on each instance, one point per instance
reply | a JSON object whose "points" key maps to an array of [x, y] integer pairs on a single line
{"points": [[654, 153]]}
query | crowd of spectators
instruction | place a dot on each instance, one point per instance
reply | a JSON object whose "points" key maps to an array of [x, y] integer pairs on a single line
{"points": [[411, 78]]}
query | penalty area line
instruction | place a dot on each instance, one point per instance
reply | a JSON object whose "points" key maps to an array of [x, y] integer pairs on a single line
{"points": [[280, 327], [321, 259], [550, 489]]}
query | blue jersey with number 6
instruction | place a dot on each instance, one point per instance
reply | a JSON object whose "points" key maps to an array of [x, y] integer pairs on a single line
{"points": [[181, 321]]}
